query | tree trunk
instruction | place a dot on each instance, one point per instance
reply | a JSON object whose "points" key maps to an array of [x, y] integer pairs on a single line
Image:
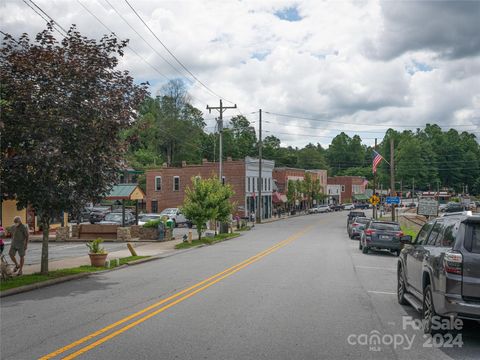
{"points": [[45, 221]]}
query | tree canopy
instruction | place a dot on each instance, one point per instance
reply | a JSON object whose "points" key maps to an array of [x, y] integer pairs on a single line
{"points": [[64, 106]]}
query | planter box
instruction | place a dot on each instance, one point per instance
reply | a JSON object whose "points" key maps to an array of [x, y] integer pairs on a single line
{"points": [[138, 231], [93, 231]]}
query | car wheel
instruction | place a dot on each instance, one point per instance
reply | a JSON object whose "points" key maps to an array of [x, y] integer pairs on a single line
{"points": [[401, 288], [365, 249], [428, 312]]}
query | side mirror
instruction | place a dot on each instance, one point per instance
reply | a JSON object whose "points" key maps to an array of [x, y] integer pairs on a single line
{"points": [[407, 239]]}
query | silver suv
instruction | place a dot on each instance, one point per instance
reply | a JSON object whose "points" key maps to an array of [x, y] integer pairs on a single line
{"points": [[439, 271]]}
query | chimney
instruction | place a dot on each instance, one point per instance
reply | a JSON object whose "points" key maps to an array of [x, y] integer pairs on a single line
{"points": [[204, 161], [164, 165], [184, 163], [229, 158]]}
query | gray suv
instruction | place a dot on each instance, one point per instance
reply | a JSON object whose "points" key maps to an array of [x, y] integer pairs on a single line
{"points": [[439, 271]]}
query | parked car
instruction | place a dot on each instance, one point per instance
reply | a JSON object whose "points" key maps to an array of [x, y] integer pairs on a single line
{"points": [[361, 206], [442, 207], [357, 227], [144, 218], [381, 235], [115, 218], [348, 206], [411, 205], [98, 214], [351, 216], [317, 209], [336, 207], [176, 215], [439, 271], [454, 207]]}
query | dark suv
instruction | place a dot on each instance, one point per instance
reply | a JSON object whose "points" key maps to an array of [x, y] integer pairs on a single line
{"points": [[439, 271], [381, 235]]}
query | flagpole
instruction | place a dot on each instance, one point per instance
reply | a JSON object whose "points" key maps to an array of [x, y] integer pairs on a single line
{"points": [[375, 186]]}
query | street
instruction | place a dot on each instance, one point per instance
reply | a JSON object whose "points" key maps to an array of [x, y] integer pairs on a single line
{"points": [[306, 292]]}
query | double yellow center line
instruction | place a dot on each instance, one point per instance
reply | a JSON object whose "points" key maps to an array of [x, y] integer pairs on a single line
{"points": [[177, 298]]}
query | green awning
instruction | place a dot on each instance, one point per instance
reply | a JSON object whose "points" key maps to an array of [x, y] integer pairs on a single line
{"points": [[126, 192], [360, 197]]}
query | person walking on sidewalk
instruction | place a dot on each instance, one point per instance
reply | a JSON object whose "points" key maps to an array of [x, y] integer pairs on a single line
{"points": [[19, 243]]}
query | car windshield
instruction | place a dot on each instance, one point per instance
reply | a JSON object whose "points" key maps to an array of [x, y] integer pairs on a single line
{"points": [[146, 218], [169, 211], [361, 220], [113, 217], [385, 226]]}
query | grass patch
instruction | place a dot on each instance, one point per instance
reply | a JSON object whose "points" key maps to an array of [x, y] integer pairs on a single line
{"points": [[29, 279], [128, 259], [207, 241], [409, 231]]}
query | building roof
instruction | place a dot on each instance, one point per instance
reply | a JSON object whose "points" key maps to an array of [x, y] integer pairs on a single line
{"points": [[126, 192]]}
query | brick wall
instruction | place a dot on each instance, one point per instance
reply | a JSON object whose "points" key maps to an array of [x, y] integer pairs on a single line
{"points": [[347, 182], [282, 175], [233, 171]]}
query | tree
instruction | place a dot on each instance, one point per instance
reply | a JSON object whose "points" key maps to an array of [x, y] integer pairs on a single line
{"points": [[207, 199], [67, 104], [196, 205]]}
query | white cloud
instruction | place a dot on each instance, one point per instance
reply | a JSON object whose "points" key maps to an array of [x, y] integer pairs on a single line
{"points": [[363, 63]]}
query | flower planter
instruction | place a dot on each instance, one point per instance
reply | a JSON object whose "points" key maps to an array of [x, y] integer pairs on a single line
{"points": [[98, 260]]}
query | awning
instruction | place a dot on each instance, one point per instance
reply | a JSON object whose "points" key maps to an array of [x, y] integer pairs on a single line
{"points": [[126, 192], [360, 197], [278, 198]]}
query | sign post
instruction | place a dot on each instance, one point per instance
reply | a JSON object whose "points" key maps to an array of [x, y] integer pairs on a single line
{"points": [[427, 207]]}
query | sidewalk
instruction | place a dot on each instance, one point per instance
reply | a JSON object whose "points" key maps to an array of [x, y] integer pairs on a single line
{"points": [[142, 249]]}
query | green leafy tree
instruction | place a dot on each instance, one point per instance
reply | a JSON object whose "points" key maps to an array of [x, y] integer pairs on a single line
{"points": [[61, 144], [207, 199]]}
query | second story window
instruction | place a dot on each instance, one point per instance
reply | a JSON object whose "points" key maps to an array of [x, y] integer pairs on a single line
{"points": [[176, 183], [158, 183], [343, 188]]}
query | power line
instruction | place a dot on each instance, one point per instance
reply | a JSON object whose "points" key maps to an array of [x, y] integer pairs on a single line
{"points": [[350, 123], [46, 20], [146, 42], [173, 55], [331, 129], [39, 8]]}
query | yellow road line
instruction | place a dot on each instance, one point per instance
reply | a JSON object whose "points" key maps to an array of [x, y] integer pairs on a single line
{"points": [[216, 278]]}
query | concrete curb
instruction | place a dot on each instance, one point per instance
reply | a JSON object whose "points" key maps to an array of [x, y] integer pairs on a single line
{"points": [[42, 284]]}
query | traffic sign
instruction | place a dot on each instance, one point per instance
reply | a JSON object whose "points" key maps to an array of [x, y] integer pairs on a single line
{"points": [[392, 200], [374, 200], [427, 207]]}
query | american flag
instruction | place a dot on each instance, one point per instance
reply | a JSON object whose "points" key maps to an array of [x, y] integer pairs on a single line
{"points": [[377, 158]]}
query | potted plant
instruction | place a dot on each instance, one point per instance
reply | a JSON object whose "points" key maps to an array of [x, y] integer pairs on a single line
{"points": [[97, 253]]}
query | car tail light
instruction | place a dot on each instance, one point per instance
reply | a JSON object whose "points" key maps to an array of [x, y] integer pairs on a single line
{"points": [[355, 224], [452, 262], [369, 232], [399, 233]]}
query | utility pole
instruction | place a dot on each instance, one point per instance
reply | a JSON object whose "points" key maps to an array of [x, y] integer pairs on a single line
{"points": [[221, 109], [413, 187], [375, 186], [392, 177], [260, 180]]}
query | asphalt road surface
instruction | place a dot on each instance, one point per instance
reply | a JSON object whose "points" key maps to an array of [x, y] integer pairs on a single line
{"points": [[293, 289]]}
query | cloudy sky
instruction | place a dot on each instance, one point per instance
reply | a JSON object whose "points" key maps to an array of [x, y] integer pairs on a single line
{"points": [[315, 68]]}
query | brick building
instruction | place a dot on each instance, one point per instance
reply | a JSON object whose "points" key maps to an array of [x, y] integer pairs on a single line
{"points": [[166, 186], [350, 188], [282, 175]]}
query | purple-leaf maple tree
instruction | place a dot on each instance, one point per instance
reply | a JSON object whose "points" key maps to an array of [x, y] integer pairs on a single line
{"points": [[64, 104]]}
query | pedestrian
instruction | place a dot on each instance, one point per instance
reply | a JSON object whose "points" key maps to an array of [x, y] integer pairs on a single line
{"points": [[2, 243], [19, 243]]}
